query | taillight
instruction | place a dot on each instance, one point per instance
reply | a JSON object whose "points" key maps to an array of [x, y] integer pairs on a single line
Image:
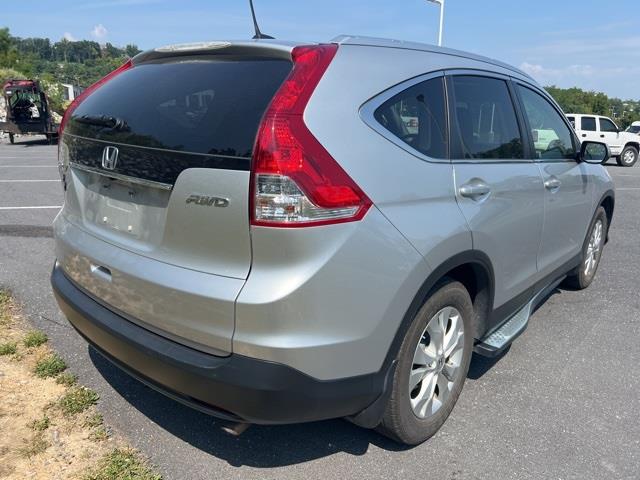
{"points": [[88, 91], [294, 181]]}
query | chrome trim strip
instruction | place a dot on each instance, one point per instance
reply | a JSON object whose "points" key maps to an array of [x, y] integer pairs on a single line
{"points": [[155, 148], [123, 178]]}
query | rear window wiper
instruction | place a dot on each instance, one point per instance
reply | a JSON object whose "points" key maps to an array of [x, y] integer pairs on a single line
{"points": [[103, 121]]}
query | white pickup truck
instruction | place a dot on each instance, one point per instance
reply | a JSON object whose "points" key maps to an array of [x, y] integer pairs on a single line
{"points": [[623, 145]]}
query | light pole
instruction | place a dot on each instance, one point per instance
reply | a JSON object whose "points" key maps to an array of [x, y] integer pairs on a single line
{"points": [[441, 3]]}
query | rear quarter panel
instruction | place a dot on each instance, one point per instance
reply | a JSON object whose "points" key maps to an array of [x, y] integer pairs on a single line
{"points": [[418, 197]]}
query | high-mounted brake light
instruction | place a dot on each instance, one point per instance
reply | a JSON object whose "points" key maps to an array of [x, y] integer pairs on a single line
{"points": [[294, 181], [88, 91]]}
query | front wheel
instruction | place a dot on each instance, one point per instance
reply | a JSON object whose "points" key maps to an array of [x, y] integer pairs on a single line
{"points": [[433, 362], [628, 157]]}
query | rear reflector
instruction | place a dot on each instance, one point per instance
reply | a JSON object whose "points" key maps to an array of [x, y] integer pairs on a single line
{"points": [[295, 182]]}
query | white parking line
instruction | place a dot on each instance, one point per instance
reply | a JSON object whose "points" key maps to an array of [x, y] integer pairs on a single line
{"points": [[627, 188], [28, 166], [27, 181], [43, 207]]}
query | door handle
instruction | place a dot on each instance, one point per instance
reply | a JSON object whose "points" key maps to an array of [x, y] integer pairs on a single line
{"points": [[474, 190], [584, 135], [602, 135], [552, 183]]}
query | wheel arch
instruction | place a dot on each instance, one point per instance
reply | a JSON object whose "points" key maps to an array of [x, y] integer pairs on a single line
{"points": [[636, 145], [608, 202], [474, 270]]}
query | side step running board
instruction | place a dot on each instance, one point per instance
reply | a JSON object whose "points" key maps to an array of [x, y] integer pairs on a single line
{"points": [[499, 339]]}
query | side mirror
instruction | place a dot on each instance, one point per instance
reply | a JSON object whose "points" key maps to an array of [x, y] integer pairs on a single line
{"points": [[594, 152]]}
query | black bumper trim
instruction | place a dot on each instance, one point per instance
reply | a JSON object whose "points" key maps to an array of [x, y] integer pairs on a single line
{"points": [[235, 387]]}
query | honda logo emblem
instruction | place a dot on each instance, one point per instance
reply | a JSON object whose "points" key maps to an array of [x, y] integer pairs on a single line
{"points": [[109, 158]]}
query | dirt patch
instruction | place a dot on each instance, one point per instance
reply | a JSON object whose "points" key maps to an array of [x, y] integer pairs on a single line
{"points": [[49, 426]]}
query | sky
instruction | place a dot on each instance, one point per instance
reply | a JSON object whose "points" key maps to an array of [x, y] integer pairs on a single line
{"points": [[594, 45]]}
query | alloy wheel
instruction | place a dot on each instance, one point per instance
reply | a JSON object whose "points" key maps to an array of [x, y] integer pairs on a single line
{"points": [[629, 156], [593, 249], [436, 362]]}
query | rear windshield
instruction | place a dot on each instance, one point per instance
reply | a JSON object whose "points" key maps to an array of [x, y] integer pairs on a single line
{"points": [[211, 106]]}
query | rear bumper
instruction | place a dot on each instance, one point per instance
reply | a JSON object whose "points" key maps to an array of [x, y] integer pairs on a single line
{"points": [[235, 387]]}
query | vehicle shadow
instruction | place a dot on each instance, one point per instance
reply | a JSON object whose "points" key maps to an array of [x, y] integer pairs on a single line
{"points": [[259, 446]]}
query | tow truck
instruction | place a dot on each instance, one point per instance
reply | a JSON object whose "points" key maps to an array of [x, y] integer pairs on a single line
{"points": [[27, 111]]}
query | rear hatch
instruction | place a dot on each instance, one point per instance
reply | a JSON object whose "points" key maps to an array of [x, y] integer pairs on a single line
{"points": [[158, 171]]}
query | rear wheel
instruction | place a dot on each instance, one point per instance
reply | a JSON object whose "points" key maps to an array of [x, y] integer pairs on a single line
{"points": [[628, 157], [12, 138], [582, 277], [433, 362]]}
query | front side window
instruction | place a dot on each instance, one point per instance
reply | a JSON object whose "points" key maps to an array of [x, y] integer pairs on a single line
{"points": [[552, 138], [485, 122], [588, 124], [417, 117], [607, 125]]}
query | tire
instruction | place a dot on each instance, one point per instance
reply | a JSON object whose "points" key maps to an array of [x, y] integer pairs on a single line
{"points": [[12, 139], [628, 157], [584, 274], [413, 415]]}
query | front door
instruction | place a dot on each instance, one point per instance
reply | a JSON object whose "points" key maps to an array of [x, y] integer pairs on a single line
{"points": [[567, 191]]}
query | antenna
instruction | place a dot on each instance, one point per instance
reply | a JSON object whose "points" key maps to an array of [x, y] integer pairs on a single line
{"points": [[259, 35]]}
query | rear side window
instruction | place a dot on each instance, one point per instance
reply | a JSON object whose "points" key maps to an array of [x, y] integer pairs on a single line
{"points": [[552, 138], [485, 119], [417, 117], [607, 125], [208, 106], [588, 124]]}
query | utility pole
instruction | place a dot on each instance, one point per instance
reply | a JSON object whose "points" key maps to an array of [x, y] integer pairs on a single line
{"points": [[441, 4]]}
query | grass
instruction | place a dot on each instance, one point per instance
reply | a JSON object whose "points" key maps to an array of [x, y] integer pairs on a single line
{"points": [[6, 305], [9, 348], [122, 464], [35, 446], [93, 421], [35, 338], [99, 434], [77, 400], [40, 425], [50, 366], [67, 379]]}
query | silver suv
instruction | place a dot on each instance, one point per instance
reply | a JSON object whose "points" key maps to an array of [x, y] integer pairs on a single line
{"points": [[274, 232]]}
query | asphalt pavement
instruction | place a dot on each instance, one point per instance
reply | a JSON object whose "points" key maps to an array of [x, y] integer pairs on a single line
{"points": [[562, 403]]}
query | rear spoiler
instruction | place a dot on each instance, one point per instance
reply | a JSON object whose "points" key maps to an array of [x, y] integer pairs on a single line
{"points": [[254, 48]]}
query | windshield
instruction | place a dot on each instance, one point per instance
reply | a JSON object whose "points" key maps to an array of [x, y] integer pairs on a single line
{"points": [[634, 129]]}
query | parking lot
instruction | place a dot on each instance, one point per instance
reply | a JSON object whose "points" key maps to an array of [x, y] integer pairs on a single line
{"points": [[562, 403]]}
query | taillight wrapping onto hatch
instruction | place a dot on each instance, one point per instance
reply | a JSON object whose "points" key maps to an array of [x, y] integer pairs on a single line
{"points": [[295, 182]]}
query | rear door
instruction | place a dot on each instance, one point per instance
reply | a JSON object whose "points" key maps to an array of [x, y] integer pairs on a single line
{"points": [[567, 189], [499, 191], [158, 184], [589, 129], [609, 133]]}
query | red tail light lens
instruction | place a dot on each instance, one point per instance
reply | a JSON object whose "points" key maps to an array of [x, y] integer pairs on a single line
{"points": [[295, 182], [87, 92]]}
